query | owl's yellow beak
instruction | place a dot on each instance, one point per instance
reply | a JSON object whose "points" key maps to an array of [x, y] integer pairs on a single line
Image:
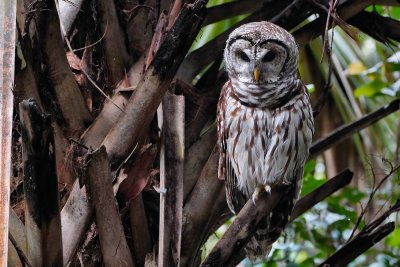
{"points": [[256, 73]]}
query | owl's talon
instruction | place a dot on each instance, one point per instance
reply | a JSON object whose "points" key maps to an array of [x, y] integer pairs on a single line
{"points": [[258, 191], [267, 189]]}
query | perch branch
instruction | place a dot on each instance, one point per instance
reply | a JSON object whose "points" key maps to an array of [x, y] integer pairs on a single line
{"points": [[242, 228], [310, 200], [346, 130]]}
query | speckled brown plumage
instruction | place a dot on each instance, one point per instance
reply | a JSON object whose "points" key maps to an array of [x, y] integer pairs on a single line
{"points": [[265, 124]]}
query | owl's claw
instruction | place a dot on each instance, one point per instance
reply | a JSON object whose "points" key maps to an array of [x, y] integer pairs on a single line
{"points": [[258, 191]]}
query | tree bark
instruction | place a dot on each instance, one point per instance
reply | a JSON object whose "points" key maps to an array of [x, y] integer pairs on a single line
{"points": [[42, 216], [7, 60]]}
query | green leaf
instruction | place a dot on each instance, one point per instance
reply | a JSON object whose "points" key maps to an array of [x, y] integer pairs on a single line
{"points": [[371, 89], [393, 240], [310, 184]]}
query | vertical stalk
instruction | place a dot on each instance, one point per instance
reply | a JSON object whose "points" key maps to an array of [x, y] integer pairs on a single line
{"points": [[42, 216], [171, 180], [7, 44]]}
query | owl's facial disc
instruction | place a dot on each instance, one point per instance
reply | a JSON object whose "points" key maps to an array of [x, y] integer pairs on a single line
{"points": [[256, 63]]}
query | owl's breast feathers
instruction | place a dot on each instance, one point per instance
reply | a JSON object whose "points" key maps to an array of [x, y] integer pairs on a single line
{"points": [[262, 145]]}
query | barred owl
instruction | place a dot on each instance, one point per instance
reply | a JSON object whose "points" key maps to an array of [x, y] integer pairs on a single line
{"points": [[265, 124]]}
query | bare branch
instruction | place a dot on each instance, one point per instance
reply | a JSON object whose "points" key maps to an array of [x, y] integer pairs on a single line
{"points": [[140, 230], [368, 237], [322, 192], [346, 130]]}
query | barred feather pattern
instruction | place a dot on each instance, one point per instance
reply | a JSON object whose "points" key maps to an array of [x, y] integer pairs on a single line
{"points": [[264, 146], [265, 124]]}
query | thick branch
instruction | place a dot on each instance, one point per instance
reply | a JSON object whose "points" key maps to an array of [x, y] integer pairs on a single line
{"points": [[313, 198], [346, 130], [67, 93], [114, 247], [317, 27], [242, 228], [115, 52], [144, 102]]}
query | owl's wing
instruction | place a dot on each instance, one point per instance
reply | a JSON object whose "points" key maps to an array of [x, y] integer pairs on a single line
{"points": [[234, 197]]}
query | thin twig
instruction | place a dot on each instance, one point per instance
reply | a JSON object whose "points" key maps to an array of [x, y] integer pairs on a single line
{"points": [[371, 196], [21, 255]]}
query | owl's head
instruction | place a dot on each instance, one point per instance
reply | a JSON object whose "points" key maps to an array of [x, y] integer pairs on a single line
{"points": [[260, 53]]}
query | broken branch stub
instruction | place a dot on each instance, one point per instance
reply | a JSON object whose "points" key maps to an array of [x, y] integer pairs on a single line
{"points": [[143, 104], [42, 216]]}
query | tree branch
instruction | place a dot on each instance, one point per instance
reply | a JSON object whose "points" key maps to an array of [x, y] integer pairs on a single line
{"points": [[371, 234], [346, 130], [322, 192], [142, 105], [229, 10], [378, 27], [242, 228], [310, 200], [113, 243]]}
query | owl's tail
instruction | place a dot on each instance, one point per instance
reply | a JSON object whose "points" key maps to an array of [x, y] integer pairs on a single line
{"points": [[257, 248]]}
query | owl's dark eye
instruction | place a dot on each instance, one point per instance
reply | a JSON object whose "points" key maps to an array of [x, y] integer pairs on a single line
{"points": [[269, 56], [243, 56]]}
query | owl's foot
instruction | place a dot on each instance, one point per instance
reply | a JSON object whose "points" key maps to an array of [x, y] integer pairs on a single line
{"points": [[259, 190]]}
